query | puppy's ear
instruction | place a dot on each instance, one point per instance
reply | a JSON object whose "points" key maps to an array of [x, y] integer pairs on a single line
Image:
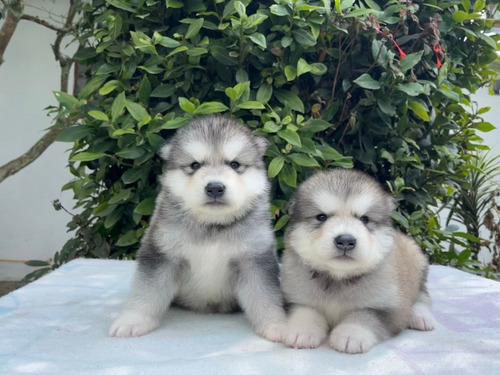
{"points": [[262, 143], [391, 202], [165, 151], [290, 207]]}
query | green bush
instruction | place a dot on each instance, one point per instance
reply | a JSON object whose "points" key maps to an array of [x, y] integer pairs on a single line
{"points": [[327, 82]]}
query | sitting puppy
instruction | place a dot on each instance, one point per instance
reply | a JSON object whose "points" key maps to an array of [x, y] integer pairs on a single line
{"points": [[345, 268], [210, 246]]}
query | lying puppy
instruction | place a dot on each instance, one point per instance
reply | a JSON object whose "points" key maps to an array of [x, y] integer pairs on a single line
{"points": [[210, 246], [345, 268]]}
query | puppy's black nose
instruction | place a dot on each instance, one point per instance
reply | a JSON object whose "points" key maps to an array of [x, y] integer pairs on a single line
{"points": [[215, 189], [345, 242]]}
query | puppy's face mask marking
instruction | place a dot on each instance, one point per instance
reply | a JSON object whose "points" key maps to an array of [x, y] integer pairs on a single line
{"points": [[216, 175], [343, 229]]}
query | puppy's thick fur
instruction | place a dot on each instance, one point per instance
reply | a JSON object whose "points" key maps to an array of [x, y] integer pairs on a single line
{"points": [[346, 269], [210, 246]]}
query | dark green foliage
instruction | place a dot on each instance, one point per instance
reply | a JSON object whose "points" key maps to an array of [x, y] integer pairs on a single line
{"points": [[323, 81]]}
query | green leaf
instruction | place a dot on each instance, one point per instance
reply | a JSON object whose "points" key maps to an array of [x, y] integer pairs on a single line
{"points": [[419, 110], [194, 28], [281, 222], [279, 10], [146, 207], [250, 105], [176, 51], [133, 152], [302, 67], [98, 115], [304, 38], [388, 156], [175, 123], [121, 196], [290, 72], [275, 166], [221, 54], [110, 86], [411, 60], [117, 106], [264, 93], [359, 12], [479, 5], [291, 99], [411, 88], [240, 8], [304, 160], [87, 156], [165, 41], [74, 133], [66, 100], [136, 110], [367, 82], [210, 107], [315, 126], [37, 263], [175, 4], [163, 91], [113, 218], [132, 175], [459, 16], [92, 86], [196, 51], [484, 126], [290, 136], [127, 239], [258, 39], [318, 69], [122, 4], [289, 175], [119, 132], [186, 105]]}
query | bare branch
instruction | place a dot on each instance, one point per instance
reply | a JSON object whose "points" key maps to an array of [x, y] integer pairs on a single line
{"points": [[48, 138], [14, 12], [42, 22]]}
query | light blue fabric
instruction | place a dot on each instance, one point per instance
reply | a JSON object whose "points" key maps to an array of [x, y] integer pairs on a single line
{"points": [[59, 325]]}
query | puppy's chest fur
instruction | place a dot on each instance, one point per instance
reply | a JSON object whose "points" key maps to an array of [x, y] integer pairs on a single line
{"points": [[337, 298], [209, 281]]}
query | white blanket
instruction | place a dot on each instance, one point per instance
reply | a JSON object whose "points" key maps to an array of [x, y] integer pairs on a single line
{"points": [[59, 325]]}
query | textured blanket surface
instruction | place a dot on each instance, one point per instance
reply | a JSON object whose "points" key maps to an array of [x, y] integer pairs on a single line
{"points": [[59, 324]]}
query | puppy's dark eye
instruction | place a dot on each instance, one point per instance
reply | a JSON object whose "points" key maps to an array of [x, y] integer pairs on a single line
{"points": [[321, 217], [195, 166], [234, 164], [364, 219]]}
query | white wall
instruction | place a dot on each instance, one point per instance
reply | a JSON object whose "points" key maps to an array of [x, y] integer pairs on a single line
{"points": [[30, 228]]}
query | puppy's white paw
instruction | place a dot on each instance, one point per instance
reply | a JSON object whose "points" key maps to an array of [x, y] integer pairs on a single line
{"points": [[299, 338], [352, 338], [132, 324], [274, 332], [307, 328], [422, 318]]}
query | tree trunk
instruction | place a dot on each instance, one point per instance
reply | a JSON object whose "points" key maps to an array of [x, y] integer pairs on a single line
{"points": [[14, 13]]}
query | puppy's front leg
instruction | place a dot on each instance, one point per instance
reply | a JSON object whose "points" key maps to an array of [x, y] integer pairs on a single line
{"points": [[307, 328], [259, 295], [155, 284], [362, 329]]}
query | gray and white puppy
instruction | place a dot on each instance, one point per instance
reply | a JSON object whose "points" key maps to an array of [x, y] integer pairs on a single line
{"points": [[210, 246], [346, 269]]}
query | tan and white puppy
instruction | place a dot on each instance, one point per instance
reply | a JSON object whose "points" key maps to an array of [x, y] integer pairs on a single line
{"points": [[346, 271], [210, 246]]}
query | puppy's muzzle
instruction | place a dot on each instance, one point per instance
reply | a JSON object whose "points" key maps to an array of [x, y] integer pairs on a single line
{"points": [[345, 242], [215, 189]]}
